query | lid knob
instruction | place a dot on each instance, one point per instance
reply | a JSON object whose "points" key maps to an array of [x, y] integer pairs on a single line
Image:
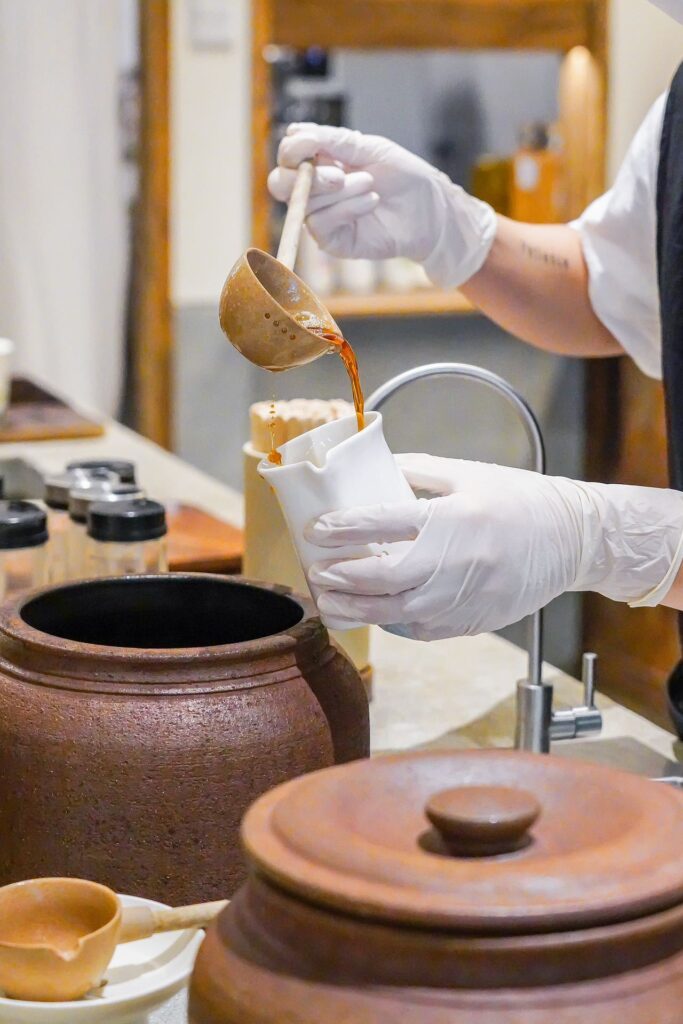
{"points": [[480, 821]]}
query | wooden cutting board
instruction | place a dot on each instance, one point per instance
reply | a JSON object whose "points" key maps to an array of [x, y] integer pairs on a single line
{"points": [[36, 415], [199, 542]]}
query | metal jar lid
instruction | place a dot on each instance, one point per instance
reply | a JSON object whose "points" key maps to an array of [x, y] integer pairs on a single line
{"points": [[22, 525], [122, 468], [485, 841], [81, 499], [126, 522], [59, 486]]}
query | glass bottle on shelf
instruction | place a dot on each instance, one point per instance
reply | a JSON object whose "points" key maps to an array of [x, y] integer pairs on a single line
{"points": [[492, 181], [23, 547], [126, 538], [80, 501], [536, 194]]}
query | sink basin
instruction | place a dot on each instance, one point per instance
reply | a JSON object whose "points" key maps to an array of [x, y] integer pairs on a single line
{"points": [[623, 752]]}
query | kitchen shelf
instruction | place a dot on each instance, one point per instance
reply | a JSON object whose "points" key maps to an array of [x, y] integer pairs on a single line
{"points": [[466, 24], [418, 302], [577, 29]]}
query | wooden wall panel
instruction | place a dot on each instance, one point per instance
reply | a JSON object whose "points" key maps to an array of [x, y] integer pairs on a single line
{"points": [[627, 444], [582, 125], [262, 33], [152, 341]]}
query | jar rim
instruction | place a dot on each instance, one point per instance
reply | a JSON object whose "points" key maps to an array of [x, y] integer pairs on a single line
{"points": [[228, 665]]}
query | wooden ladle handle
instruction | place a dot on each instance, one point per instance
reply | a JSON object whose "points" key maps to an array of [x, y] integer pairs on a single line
{"points": [[141, 922], [296, 214]]}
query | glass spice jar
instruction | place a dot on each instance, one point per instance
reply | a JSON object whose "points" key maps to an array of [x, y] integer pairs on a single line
{"points": [[126, 538], [80, 500], [23, 547], [57, 490]]}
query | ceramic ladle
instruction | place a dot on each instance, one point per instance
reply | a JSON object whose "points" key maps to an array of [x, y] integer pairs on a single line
{"points": [[268, 313], [57, 935]]}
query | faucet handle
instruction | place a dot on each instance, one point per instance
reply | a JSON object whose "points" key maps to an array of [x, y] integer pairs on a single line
{"points": [[588, 666], [572, 723], [588, 719]]}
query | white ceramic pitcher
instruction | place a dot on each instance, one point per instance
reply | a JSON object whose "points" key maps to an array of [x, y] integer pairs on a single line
{"points": [[334, 467]]}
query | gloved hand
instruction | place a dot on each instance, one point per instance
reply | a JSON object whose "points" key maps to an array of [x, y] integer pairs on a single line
{"points": [[373, 199], [494, 546]]}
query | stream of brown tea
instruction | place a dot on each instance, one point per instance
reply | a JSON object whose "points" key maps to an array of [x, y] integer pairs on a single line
{"points": [[273, 455], [348, 357]]}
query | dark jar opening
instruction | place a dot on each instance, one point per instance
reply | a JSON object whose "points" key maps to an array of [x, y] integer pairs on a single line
{"points": [[165, 611]]}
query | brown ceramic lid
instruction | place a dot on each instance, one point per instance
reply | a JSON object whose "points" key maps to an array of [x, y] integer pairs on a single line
{"points": [[492, 840]]}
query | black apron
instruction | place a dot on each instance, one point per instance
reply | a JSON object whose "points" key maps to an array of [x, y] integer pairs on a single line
{"points": [[670, 274]]}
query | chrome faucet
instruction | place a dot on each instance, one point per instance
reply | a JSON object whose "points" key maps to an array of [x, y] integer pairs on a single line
{"points": [[537, 723]]}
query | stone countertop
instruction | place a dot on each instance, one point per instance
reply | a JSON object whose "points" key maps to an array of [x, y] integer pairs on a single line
{"points": [[462, 692], [164, 476]]}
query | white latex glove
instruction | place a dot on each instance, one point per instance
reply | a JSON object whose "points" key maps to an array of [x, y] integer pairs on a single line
{"points": [[373, 199], [496, 545]]}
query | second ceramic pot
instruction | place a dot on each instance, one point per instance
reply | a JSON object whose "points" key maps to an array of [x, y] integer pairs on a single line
{"points": [[464, 887], [140, 716]]}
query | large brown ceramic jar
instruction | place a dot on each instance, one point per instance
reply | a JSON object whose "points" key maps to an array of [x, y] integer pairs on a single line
{"points": [[479, 887], [140, 716]]}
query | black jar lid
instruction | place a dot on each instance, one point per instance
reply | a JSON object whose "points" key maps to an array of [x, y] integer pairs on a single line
{"points": [[22, 525], [127, 521], [124, 469]]}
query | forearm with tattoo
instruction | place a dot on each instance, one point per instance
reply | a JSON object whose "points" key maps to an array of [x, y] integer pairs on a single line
{"points": [[551, 259], [535, 285]]}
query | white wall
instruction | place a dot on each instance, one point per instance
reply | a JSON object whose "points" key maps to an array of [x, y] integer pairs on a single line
{"points": [[646, 48], [210, 151]]}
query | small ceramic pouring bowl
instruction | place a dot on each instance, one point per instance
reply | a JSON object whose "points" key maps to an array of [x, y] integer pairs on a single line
{"points": [[57, 936], [266, 311], [335, 466]]}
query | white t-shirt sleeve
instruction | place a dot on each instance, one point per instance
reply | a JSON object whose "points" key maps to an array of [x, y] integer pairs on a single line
{"points": [[619, 239]]}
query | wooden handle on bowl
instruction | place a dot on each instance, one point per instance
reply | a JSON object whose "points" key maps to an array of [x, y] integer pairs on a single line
{"points": [[141, 922], [296, 214]]}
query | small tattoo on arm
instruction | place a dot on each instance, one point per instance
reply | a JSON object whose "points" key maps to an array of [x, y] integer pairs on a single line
{"points": [[540, 256]]}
